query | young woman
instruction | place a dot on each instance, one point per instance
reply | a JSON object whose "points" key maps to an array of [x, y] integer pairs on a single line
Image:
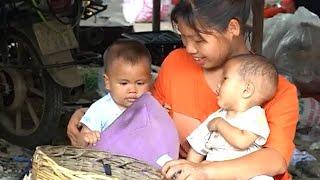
{"points": [[212, 32]]}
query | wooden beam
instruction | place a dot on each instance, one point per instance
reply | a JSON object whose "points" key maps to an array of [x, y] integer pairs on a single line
{"points": [[257, 32], [156, 15]]}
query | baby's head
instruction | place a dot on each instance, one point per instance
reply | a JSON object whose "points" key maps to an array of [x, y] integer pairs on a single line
{"points": [[249, 80], [127, 75]]}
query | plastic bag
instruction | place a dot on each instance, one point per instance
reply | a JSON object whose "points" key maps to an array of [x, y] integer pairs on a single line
{"points": [[292, 42], [309, 112], [144, 131], [299, 156], [141, 10]]}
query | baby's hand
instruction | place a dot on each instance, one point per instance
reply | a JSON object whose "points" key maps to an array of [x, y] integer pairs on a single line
{"points": [[91, 137], [214, 124]]}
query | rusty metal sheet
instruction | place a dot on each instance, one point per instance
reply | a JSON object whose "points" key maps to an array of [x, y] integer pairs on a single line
{"points": [[66, 76], [53, 37]]}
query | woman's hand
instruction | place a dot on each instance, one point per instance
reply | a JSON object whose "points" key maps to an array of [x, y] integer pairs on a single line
{"points": [[72, 129], [183, 169]]}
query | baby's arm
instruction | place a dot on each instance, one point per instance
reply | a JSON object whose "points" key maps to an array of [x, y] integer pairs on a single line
{"points": [[90, 137], [195, 157], [238, 138]]}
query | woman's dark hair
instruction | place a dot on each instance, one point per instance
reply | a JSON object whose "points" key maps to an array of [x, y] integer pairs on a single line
{"points": [[201, 15]]}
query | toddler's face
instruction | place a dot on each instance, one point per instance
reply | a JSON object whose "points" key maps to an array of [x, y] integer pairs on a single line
{"points": [[127, 82], [229, 91]]}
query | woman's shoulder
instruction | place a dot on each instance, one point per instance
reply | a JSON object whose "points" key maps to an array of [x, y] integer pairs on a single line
{"points": [[180, 52], [284, 86], [286, 93], [179, 57]]}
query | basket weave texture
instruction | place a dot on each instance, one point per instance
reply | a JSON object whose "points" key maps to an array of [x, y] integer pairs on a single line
{"points": [[68, 162]]}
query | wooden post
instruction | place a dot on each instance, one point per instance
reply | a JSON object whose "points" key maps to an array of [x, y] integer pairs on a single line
{"points": [[156, 15], [257, 32]]}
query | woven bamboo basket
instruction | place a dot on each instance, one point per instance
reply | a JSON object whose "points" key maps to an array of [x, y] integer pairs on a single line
{"points": [[67, 162]]}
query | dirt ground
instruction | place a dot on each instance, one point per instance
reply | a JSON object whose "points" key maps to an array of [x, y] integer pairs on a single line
{"points": [[16, 161]]}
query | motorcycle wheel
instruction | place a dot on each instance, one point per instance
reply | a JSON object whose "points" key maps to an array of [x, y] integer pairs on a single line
{"points": [[31, 101]]}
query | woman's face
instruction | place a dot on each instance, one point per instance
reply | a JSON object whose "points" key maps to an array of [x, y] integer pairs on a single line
{"points": [[209, 50]]}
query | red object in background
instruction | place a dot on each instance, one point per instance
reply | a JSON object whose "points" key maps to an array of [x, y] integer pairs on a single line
{"points": [[59, 6], [272, 11], [287, 6], [175, 2]]}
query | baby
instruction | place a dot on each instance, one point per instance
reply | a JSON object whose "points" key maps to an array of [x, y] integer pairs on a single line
{"points": [[240, 126]]}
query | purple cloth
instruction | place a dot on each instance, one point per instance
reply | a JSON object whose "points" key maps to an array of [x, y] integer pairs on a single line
{"points": [[144, 131]]}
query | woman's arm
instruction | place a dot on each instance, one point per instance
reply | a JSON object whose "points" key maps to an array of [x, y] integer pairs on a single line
{"points": [[73, 128], [242, 168], [266, 161], [195, 157]]}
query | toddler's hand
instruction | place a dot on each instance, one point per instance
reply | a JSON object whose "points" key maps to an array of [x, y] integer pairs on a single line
{"points": [[91, 137], [167, 107]]}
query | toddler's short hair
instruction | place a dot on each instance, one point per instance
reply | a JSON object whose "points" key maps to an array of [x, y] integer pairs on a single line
{"points": [[130, 51]]}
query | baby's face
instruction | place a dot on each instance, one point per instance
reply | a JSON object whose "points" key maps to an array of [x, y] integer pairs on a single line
{"points": [[127, 82], [229, 91]]}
